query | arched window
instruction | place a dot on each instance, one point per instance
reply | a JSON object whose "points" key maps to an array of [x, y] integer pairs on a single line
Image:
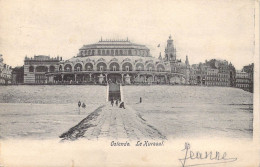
{"points": [[112, 52], [140, 67], [114, 66], [68, 67], [89, 52], [116, 52], [99, 52], [127, 66], [103, 52], [121, 52], [31, 69], [89, 67], [108, 52], [78, 67], [52, 68], [129, 52], [150, 67], [160, 68], [101, 66]]}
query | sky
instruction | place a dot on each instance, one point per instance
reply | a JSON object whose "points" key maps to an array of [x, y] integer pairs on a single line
{"points": [[201, 29]]}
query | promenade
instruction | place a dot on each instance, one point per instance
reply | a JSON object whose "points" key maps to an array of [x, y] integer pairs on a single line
{"points": [[109, 122]]}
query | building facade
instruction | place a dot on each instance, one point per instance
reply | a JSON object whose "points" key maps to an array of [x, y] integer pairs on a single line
{"points": [[5, 72], [123, 62], [242, 80], [250, 70], [213, 73], [35, 68]]}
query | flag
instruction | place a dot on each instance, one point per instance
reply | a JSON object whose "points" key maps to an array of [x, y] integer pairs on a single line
{"points": [[158, 45]]}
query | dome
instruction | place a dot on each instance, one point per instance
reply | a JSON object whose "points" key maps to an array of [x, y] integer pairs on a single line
{"points": [[114, 48]]}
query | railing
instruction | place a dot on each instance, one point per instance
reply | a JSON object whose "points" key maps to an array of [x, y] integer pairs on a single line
{"points": [[110, 71]]}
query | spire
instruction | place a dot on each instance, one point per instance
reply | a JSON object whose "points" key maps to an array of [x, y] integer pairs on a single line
{"points": [[170, 37], [187, 60]]}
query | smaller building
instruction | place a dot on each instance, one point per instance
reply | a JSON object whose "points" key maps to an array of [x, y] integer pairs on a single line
{"points": [[242, 80], [250, 70], [35, 68], [211, 73], [5, 72]]}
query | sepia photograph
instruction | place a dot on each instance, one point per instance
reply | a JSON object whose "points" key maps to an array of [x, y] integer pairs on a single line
{"points": [[129, 83]]}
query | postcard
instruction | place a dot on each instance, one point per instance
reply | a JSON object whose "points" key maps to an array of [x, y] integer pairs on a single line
{"points": [[129, 83]]}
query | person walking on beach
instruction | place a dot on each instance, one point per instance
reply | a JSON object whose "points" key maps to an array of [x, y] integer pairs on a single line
{"points": [[116, 102], [79, 104], [122, 105], [112, 102], [83, 105]]}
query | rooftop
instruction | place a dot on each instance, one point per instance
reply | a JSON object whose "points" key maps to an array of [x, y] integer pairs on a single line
{"points": [[113, 44]]}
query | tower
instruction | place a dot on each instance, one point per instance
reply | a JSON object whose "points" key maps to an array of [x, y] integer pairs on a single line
{"points": [[187, 61], [170, 51]]}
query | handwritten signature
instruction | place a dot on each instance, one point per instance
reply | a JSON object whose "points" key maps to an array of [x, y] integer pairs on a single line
{"points": [[208, 157]]}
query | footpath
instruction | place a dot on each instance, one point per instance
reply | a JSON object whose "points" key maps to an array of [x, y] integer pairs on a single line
{"points": [[112, 123]]}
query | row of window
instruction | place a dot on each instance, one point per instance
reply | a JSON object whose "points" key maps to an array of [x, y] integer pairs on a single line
{"points": [[243, 81], [114, 68], [114, 52], [217, 79], [242, 76], [217, 83], [41, 69], [209, 78], [242, 85]]}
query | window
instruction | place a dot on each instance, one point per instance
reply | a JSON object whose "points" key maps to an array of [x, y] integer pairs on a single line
{"points": [[150, 68], [31, 69], [101, 68], [78, 68], [114, 68], [139, 68], [127, 68], [160, 69], [129, 52]]}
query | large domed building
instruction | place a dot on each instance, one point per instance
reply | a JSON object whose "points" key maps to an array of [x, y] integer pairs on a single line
{"points": [[119, 61]]}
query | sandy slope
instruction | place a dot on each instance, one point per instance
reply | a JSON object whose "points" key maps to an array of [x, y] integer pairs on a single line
{"points": [[113, 122]]}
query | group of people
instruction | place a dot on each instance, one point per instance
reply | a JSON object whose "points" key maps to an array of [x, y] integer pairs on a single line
{"points": [[83, 105], [117, 102]]}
